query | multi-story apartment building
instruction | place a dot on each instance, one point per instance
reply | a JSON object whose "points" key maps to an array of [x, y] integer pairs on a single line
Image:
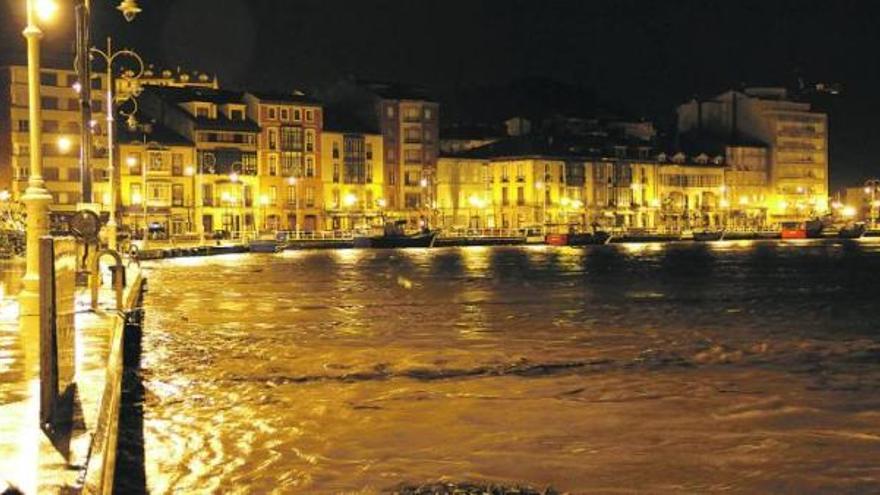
{"points": [[408, 120], [353, 177], [523, 183], [225, 142], [157, 182], [61, 137], [796, 138], [289, 159]]}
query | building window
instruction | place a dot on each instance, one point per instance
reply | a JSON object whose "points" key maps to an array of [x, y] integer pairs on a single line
{"points": [[50, 103], [134, 194], [310, 116], [48, 79], [505, 201], [368, 168], [335, 150], [236, 114], [336, 198], [310, 196], [369, 151], [50, 126], [290, 164], [291, 195], [520, 196], [273, 139], [291, 138], [310, 166], [177, 195], [336, 172], [285, 114], [392, 178], [176, 164], [297, 115], [411, 114], [272, 113], [273, 164], [412, 200], [23, 126], [202, 112], [389, 111], [97, 83], [207, 195], [155, 162], [390, 155], [310, 140], [428, 114], [412, 156]]}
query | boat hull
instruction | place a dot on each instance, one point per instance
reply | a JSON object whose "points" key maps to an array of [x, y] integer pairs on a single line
{"points": [[395, 241], [853, 232], [708, 236]]}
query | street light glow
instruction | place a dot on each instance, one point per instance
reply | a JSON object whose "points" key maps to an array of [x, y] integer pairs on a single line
{"points": [[64, 144], [743, 200], [381, 202], [291, 180], [189, 170], [423, 182], [849, 211], [4, 195], [233, 177], [264, 200], [46, 9], [136, 198], [131, 161], [349, 199]]}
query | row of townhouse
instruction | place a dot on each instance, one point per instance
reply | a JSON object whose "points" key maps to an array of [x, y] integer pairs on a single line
{"points": [[202, 159], [565, 191]]}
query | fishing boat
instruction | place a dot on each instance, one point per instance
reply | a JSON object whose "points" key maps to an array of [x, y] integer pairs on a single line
{"points": [[394, 236], [266, 245], [811, 229], [852, 231], [599, 237], [708, 235]]}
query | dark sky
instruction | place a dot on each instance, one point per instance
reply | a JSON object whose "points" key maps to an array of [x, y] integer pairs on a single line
{"points": [[648, 54]]}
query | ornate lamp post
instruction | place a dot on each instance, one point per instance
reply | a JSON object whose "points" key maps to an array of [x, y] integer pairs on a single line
{"points": [[109, 57], [36, 197]]}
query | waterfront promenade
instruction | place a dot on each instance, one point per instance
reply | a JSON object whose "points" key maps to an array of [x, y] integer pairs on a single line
{"points": [[29, 460]]}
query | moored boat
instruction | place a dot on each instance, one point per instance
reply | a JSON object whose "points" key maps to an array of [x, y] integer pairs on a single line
{"points": [[811, 229], [708, 235], [265, 246], [852, 231], [395, 237]]}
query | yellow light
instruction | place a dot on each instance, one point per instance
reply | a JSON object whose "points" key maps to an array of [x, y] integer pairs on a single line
{"points": [[577, 203], [64, 144], [783, 204], [233, 177], [800, 190], [655, 203], [77, 87], [849, 211], [131, 161], [381, 202], [474, 200], [743, 200], [423, 182], [291, 181], [564, 201], [136, 198], [349, 199], [4, 195], [867, 190], [724, 203], [837, 205], [225, 197], [190, 170], [264, 200], [539, 185], [723, 188], [875, 203], [46, 9], [106, 198]]}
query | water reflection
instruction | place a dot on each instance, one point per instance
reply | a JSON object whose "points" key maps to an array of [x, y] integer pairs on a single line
{"points": [[590, 369]]}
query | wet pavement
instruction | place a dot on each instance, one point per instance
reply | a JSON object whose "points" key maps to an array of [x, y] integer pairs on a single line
{"points": [[743, 367], [29, 459]]}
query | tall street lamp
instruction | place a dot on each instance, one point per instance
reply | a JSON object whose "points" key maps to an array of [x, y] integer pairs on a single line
{"points": [[36, 197], [129, 9], [291, 181], [109, 57]]}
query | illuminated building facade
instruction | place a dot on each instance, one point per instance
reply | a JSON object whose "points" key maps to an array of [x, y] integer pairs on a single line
{"points": [[289, 160], [157, 183], [353, 178], [61, 137], [225, 142], [796, 138]]}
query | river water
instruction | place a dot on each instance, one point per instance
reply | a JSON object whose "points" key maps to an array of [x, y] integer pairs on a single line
{"points": [[750, 367]]}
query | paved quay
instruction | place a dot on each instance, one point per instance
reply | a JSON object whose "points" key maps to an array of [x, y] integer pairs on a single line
{"points": [[29, 460]]}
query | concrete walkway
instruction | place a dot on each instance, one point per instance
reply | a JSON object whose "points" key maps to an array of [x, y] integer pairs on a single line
{"points": [[29, 460]]}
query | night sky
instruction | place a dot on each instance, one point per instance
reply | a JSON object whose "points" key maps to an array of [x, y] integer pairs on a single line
{"points": [[644, 55]]}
